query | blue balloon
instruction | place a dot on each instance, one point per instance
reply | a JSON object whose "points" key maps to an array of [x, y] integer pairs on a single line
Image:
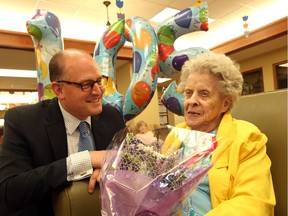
{"points": [[183, 18], [119, 3], [172, 100], [54, 24], [137, 61], [178, 61]]}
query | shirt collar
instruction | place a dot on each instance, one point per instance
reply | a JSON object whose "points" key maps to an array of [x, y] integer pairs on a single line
{"points": [[70, 121]]}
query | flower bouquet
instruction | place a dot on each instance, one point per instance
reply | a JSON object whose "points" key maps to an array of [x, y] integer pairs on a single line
{"points": [[141, 180]]}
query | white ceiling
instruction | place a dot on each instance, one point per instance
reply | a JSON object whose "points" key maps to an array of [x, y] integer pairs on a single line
{"points": [[86, 19]]}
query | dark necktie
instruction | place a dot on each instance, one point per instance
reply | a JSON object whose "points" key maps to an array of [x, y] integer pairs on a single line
{"points": [[85, 139]]}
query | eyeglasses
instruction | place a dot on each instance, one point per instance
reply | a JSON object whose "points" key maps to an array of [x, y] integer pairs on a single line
{"points": [[86, 85]]}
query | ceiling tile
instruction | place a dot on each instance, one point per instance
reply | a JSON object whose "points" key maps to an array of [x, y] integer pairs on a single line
{"points": [[62, 11], [69, 3], [164, 2], [93, 16], [84, 14], [221, 8], [144, 9], [13, 6], [183, 4]]}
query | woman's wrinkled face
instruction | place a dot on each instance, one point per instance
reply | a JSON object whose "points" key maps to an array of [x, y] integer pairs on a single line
{"points": [[81, 104], [203, 102]]}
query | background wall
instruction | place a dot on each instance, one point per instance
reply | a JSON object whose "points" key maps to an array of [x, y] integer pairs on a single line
{"points": [[265, 61], [124, 75], [17, 59]]}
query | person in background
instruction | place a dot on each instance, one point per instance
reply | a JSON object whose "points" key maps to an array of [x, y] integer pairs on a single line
{"points": [[143, 134], [1, 133], [39, 153], [240, 182]]}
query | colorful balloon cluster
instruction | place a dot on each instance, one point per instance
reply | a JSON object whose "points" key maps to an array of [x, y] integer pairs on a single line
{"points": [[145, 58], [171, 61], [153, 53], [186, 21], [45, 30], [145, 65]]}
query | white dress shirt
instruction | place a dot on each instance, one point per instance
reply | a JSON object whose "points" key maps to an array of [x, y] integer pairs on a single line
{"points": [[79, 165]]}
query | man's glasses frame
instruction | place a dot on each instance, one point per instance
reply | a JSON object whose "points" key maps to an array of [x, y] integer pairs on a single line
{"points": [[86, 85]]}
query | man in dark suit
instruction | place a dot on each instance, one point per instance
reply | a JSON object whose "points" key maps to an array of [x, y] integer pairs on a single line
{"points": [[39, 154]]}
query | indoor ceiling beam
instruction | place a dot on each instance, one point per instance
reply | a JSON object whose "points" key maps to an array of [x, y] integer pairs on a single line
{"points": [[268, 32], [23, 41]]}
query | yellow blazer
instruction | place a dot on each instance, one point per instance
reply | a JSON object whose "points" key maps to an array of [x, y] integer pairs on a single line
{"points": [[240, 180]]}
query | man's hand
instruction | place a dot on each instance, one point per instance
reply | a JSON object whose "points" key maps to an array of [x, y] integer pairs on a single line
{"points": [[93, 180], [96, 159]]}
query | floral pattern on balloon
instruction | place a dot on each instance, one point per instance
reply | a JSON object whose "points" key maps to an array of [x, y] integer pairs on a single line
{"points": [[145, 65], [189, 20], [45, 30]]}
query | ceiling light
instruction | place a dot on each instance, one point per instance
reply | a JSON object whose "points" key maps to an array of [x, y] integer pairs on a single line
{"points": [[164, 14], [18, 73], [210, 20]]}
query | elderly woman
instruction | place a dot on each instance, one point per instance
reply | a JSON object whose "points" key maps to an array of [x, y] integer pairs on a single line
{"points": [[240, 182]]}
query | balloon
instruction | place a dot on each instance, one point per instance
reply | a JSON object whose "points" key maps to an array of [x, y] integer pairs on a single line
{"points": [[45, 31], [172, 100], [120, 4], [171, 61], [141, 93], [186, 21], [145, 58], [145, 64]]}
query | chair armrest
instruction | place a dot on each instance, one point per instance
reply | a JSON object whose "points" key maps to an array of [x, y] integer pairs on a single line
{"points": [[75, 200]]}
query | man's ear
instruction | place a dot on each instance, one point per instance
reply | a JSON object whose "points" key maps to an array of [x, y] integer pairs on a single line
{"points": [[57, 88]]}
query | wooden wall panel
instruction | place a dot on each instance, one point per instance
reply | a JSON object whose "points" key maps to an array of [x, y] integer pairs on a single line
{"points": [[21, 40]]}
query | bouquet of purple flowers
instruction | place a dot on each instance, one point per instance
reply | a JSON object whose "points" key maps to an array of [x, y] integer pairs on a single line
{"points": [[140, 180]]}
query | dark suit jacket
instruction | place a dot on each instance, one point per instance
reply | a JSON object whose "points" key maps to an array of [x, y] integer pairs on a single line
{"points": [[33, 155]]}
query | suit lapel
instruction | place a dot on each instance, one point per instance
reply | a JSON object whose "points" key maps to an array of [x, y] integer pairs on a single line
{"points": [[56, 129], [98, 131]]}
